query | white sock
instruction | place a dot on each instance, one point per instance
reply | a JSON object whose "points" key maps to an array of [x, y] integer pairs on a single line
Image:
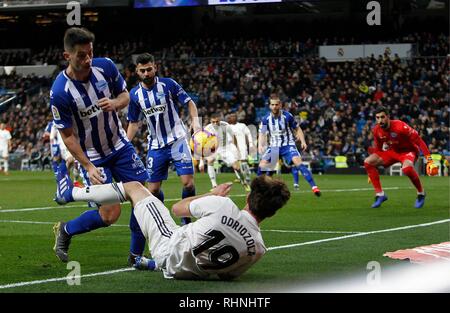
{"points": [[103, 194], [239, 175], [212, 175], [6, 165], [246, 170], [380, 194]]}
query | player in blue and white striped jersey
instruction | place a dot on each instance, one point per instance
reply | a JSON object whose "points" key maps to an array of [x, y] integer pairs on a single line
{"points": [[282, 130], [156, 100], [84, 100]]}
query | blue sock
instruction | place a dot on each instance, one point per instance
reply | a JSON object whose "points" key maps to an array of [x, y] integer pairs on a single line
{"points": [[306, 174], [294, 171], [55, 166], [187, 192], [137, 243], [261, 172], [86, 222], [160, 196]]}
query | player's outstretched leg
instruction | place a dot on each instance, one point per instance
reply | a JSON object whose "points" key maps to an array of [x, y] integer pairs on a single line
{"points": [[137, 241], [188, 191], [212, 175], [412, 174], [294, 172], [308, 177]]}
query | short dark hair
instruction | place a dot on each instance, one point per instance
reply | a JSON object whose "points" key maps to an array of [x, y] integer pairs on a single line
{"points": [[145, 58], [381, 109], [267, 196], [77, 36], [216, 115]]}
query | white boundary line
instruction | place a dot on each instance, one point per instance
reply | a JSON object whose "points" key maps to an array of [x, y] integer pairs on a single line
{"points": [[20, 284], [81, 205], [359, 234], [36, 282], [265, 230]]}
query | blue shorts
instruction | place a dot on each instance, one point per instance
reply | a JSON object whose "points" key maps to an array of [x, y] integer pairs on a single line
{"points": [[178, 153], [287, 153], [124, 166]]}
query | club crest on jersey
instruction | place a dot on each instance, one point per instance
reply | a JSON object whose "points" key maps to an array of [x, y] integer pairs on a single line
{"points": [[55, 113], [157, 109], [90, 112], [101, 85], [160, 95], [393, 135]]}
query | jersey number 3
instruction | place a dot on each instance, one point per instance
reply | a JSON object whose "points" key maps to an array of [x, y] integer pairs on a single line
{"points": [[222, 256]]}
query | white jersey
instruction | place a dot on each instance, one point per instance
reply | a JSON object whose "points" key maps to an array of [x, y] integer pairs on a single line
{"points": [[223, 132], [5, 137], [56, 139], [224, 241], [243, 135]]}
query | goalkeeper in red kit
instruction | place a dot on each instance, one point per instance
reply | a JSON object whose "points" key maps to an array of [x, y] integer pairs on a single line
{"points": [[395, 141]]}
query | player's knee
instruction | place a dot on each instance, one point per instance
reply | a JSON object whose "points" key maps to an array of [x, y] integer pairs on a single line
{"points": [[110, 214], [189, 185]]}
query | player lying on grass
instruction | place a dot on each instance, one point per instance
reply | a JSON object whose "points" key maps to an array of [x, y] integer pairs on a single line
{"points": [[224, 241], [395, 141]]}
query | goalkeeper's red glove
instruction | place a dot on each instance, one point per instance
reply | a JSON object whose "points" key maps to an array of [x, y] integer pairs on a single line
{"points": [[432, 169]]}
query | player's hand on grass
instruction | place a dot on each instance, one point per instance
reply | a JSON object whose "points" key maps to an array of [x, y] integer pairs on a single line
{"points": [[222, 190], [107, 105]]}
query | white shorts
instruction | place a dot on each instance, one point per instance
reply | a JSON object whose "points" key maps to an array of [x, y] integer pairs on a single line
{"points": [[243, 153], [228, 154], [157, 225], [4, 152]]}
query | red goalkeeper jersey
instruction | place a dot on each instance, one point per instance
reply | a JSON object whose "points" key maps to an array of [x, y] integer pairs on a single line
{"points": [[400, 137]]}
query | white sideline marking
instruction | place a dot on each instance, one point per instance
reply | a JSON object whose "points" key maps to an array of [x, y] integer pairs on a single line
{"points": [[265, 230], [359, 235], [34, 282], [178, 199]]}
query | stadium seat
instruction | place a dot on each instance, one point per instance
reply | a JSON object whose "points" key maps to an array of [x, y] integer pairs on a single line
{"points": [[396, 169], [25, 166], [341, 161]]}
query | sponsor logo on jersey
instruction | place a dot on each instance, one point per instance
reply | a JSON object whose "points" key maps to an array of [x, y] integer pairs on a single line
{"points": [[55, 113], [90, 112], [160, 95], [157, 109], [393, 135]]}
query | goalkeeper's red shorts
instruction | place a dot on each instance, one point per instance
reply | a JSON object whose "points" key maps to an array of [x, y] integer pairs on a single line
{"points": [[390, 157]]}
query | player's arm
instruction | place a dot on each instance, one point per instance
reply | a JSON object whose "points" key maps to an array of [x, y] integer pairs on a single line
{"points": [[300, 136], [181, 208], [132, 129], [74, 148], [262, 137], [414, 137], [193, 113], [116, 104], [119, 88]]}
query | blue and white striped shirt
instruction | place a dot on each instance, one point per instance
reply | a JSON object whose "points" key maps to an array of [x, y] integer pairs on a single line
{"points": [[74, 105], [159, 106], [280, 129]]}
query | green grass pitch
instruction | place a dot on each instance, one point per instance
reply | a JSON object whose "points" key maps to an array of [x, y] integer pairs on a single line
{"points": [[297, 255]]}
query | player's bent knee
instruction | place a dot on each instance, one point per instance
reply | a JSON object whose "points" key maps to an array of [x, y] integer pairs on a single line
{"points": [[110, 213]]}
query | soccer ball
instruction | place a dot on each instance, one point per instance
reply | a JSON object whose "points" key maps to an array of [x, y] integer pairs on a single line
{"points": [[203, 143]]}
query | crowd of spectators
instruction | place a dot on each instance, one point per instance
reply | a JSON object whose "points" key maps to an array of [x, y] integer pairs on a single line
{"points": [[334, 102], [426, 44]]}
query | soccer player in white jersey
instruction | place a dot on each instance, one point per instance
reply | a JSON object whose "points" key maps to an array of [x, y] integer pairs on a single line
{"points": [[84, 100], [282, 130], [5, 146], [223, 241], [226, 152], [156, 100], [244, 143]]}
